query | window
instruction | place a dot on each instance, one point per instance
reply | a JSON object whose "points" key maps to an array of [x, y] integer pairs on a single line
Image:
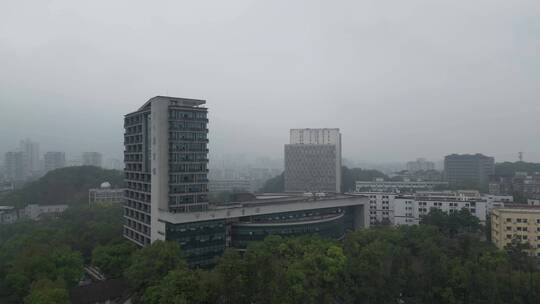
{"points": [[508, 220]]}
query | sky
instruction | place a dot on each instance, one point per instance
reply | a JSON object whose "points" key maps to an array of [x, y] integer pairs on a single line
{"points": [[401, 79]]}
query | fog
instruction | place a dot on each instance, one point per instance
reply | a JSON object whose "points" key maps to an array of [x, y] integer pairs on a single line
{"points": [[401, 79]]}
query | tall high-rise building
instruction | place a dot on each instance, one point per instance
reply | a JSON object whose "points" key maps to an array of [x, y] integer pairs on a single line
{"points": [[16, 166], [54, 160], [165, 164], [92, 159], [166, 197], [31, 149], [468, 169], [313, 161]]}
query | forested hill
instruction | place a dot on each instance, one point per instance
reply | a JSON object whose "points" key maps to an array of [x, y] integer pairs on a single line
{"points": [[509, 168], [64, 186]]}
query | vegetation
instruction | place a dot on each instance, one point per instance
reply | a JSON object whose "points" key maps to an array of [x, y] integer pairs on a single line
{"points": [[40, 261], [510, 168], [274, 185], [64, 186], [443, 260]]}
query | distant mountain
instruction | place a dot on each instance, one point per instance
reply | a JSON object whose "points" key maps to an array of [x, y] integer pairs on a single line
{"points": [[64, 186]]}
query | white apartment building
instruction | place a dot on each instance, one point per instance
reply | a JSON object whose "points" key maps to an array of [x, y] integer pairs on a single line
{"points": [[407, 209], [380, 185], [35, 212], [105, 194]]}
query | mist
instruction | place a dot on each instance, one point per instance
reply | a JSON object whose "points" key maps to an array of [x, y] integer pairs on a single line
{"points": [[401, 79]]}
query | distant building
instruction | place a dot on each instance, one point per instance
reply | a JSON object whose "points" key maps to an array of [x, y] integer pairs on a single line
{"points": [[313, 161], [519, 223], [31, 150], [8, 215], [16, 166], [92, 159], [36, 212], [54, 160], [408, 209], [380, 185], [6, 187], [105, 194], [469, 170], [420, 164], [229, 185]]}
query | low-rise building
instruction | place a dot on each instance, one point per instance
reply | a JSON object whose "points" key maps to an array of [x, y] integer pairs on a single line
{"points": [[8, 215], [517, 223], [36, 212], [105, 194], [408, 209], [380, 185]]}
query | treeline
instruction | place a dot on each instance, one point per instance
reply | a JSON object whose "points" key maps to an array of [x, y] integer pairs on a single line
{"points": [[63, 186], [40, 261], [510, 168]]}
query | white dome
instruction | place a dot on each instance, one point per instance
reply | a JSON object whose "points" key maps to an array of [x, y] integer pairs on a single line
{"points": [[105, 185]]}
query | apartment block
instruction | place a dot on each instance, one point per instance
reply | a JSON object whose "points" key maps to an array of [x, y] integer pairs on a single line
{"points": [[517, 223]]}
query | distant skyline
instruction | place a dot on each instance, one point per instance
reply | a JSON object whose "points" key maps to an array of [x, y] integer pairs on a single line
{"points": [[401, 80]]}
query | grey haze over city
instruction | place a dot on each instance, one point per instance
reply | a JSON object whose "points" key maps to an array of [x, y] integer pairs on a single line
{"points": [[401, 79]]}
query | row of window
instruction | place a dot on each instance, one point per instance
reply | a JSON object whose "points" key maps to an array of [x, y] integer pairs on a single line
{"points": [[179, 114]]}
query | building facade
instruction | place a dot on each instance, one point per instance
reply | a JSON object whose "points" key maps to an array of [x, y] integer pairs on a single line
{"points": [[31, 151], [313, 161], [517, 223], [469, 169], [105, 194], [420, 164], [92, 159], [16, 166], [54, 160], [408, 209], [380, 185], [36, 212], [167, 190], [230, 185]]}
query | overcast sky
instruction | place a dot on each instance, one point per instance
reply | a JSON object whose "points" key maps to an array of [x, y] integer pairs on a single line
{"points": [[401, 79]]}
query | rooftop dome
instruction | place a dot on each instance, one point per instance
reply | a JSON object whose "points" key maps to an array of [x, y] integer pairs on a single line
{"points": [[105, 185]]}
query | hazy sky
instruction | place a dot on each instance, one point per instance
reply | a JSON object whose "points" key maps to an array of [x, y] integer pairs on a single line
{"points": [[402, 79]]}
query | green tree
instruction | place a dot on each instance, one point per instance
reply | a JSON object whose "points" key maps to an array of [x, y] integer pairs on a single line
{"points": [[113, 259], [47, 292], [150, 264]]}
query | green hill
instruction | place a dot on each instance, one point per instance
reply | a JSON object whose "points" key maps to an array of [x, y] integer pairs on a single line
{"points": [[509, 168], [64, 186]]}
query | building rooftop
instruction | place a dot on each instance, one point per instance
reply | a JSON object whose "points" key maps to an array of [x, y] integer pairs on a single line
{"points": [[188, 102]]}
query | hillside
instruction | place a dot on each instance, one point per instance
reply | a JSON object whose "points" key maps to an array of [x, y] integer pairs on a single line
{"points": [[509, 168], [64, 186]]}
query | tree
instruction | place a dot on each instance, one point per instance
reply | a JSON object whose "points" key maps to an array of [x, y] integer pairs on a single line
{"points": [[113, 259], [180, 286], [47, 292], [152, 263], [274, 185]]}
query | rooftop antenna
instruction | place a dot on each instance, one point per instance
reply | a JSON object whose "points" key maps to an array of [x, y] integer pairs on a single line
{"points": [[520, 156]]}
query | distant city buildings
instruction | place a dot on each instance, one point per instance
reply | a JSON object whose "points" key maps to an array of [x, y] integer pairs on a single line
{"points": [[166, 159], [105, 194], [518, 223], [16, 166], [9, 214], [523, 184], [420, 164], [380, 185], [54, 160], [31, 151], [467, 170], [92, 159], [313, 161]]}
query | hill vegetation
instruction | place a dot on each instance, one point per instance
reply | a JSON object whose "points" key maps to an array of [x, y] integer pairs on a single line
{"points": [[510, 168], [63, 186]]}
